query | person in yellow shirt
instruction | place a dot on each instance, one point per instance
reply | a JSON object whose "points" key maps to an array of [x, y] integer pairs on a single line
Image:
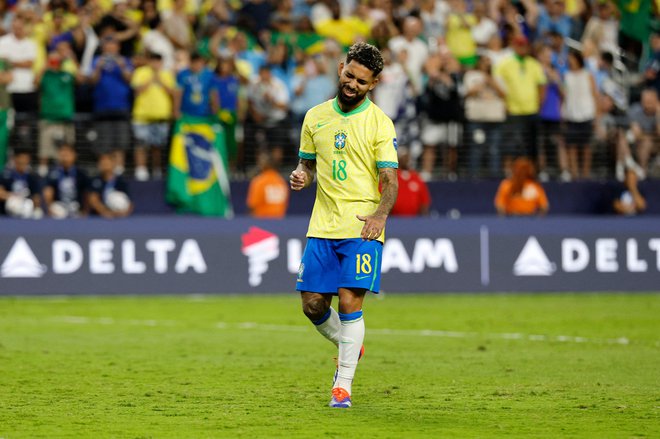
{"points": [[268, 194], [523, 81], [152, 111], [349, 144], [345, 30], [459, 37]]}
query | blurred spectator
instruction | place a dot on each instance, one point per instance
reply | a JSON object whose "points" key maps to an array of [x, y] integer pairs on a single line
{"points": [[344, 29], [485, 28], [611, 81], [194, 85], [553, 17], [393, 81], [268, 194], [485, 112], [629, 200], [521, 194], [57, 96], [20, 51], [644, 133], [118, 25], [652, 69], [6, 16], [153, 87], [442, 114], [603, 28], [227, 85], [282, 66], [515, 17], [155, 40], [523, 81], [459, 37], [579, 110], [108, 192], [311, 86], [177, 26], [551, 140], [559, 51], [65, 190], [254, 15], [416, 51], [495, 51], [111, 77], [414, 198], [5, 106], [20, 188], [434, 16], [267, 123]]}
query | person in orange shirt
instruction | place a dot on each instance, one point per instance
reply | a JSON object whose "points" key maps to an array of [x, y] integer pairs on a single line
{"points": [[521, 194], [268, 194]]}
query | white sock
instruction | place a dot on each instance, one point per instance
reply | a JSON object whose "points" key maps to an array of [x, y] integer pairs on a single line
{"points": [[352, 336], [329, 326]]}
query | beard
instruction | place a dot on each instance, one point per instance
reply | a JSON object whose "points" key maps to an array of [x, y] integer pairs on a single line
{"points": [[349, 101]]}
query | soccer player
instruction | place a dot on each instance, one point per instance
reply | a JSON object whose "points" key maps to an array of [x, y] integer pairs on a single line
{"points": [[350, 145]]}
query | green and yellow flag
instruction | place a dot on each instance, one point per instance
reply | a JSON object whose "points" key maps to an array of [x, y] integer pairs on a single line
{"points": [[197, 179]]}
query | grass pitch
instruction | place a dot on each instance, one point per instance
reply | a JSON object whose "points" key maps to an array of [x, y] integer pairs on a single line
{"points": [[539, 366]]}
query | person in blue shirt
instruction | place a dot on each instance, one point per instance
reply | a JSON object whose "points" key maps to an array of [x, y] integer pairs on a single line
{"points": [[226, 85], [194, 86], [111, 77], [552, 17]]}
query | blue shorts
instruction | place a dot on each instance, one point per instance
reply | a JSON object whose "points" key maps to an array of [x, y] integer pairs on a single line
{"points": [[330, 264]]}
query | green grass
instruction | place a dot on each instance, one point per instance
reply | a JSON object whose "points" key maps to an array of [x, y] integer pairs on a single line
{"points": [[135, 367]]}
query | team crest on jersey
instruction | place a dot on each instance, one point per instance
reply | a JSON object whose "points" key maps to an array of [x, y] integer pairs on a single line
{"points": [[340, 139]]}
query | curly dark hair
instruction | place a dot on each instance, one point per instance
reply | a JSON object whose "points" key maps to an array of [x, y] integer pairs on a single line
{"points": [[367, 55]]}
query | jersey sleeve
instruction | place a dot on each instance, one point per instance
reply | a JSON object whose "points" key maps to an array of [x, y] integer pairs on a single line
{"points": [[386, 145], [307, 149]]}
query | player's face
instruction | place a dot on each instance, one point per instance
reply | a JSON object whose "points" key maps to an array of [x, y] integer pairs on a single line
{"points": [[355, 81]]}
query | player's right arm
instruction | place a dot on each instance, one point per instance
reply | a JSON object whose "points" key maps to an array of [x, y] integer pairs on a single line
{"points": [[303, 175]]}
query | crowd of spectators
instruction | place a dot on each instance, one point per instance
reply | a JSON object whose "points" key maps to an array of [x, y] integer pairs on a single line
{"points": [[470, 84]]}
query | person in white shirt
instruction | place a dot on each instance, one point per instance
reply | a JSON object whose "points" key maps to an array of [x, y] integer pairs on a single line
{"points": [[20, 51], [417, 51], [579, 112]]}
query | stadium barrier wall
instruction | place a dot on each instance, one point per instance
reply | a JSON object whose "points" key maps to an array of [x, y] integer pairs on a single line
{"points": [[183, 255], [466, 197]]}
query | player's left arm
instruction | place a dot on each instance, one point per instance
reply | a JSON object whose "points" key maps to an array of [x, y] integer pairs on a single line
{"points": [[374, 224]]}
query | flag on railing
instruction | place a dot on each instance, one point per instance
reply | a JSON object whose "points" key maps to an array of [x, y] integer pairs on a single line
{"points": [[197, 180]]}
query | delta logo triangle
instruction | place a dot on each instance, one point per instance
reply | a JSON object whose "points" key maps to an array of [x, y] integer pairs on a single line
{"points": [[260, 247], [22, 262], [533, 261]]}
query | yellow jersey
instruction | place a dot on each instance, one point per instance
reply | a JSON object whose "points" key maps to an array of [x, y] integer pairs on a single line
{"points": [[521, 79], [349, 149]]}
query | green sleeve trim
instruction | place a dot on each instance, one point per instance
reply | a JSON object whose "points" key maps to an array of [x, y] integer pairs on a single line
{"points": [[380, 165], [306, 155]]}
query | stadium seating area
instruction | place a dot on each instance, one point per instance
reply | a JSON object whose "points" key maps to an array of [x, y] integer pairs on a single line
{"points": [[114, 76]]}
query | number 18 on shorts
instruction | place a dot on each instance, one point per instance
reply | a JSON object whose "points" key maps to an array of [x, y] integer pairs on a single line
{"points": [[330, 264]]}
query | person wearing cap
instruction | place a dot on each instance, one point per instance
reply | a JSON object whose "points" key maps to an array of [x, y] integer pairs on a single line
{"points": [[523, 80]]}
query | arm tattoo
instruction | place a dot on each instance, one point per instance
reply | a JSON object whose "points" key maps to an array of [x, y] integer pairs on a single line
{"points": [[309, 168], [390, 184]]}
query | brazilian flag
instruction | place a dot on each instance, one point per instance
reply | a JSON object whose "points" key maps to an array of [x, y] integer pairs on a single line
{"points": [[197, 180]]}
